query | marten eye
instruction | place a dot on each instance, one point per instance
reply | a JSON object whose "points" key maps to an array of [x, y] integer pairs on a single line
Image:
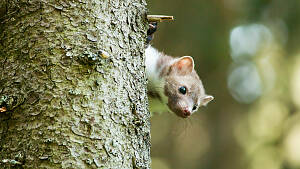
{"points": [[195, 107], [182, 90]]}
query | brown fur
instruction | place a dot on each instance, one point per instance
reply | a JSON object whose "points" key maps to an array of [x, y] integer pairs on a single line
{"points": [[177, 75]]}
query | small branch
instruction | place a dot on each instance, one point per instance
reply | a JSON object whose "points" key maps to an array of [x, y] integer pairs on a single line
{"points": [[159, 18]]}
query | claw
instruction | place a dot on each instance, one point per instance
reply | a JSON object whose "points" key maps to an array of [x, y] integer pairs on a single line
{"points": [[150, 31], [152, 28]]}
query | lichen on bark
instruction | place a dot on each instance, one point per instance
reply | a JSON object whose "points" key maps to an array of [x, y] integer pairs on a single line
{"points": [[68, 106]]}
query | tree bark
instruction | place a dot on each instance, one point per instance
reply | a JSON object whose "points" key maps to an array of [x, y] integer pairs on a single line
{"points": [[73, 84]]}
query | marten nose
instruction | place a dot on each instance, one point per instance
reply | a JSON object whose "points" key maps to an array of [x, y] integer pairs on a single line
{"points": [[186, 112]]}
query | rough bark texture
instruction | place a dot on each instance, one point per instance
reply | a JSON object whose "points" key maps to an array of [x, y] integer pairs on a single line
{"points": [[68, 105]]}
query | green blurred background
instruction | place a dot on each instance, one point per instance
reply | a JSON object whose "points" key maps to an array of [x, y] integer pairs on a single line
{"points": [[247, 55]]}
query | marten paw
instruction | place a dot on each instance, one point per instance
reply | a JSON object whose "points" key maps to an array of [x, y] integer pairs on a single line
{"points": [[151, 30]]}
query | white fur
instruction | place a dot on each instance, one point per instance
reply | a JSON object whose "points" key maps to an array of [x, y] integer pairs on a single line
{"points": [[152, 56], [157, 83]]}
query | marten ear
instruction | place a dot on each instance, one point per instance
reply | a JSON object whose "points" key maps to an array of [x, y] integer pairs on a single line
{"points": [[206, 100], [183, 65]]}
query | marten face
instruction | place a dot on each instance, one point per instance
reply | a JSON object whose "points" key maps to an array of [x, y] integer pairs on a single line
{"points": [[184, 88]]}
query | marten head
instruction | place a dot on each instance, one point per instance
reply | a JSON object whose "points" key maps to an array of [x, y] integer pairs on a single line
{"points": [[184, 88]]}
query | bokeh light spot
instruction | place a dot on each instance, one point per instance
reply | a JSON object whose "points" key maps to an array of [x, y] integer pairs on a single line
{"points": [[292, 146], [295, 83], [244, 83], [245, 41]]}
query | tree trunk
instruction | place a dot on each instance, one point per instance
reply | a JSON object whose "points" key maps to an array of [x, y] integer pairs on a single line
{"points": [[72, 84]]}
